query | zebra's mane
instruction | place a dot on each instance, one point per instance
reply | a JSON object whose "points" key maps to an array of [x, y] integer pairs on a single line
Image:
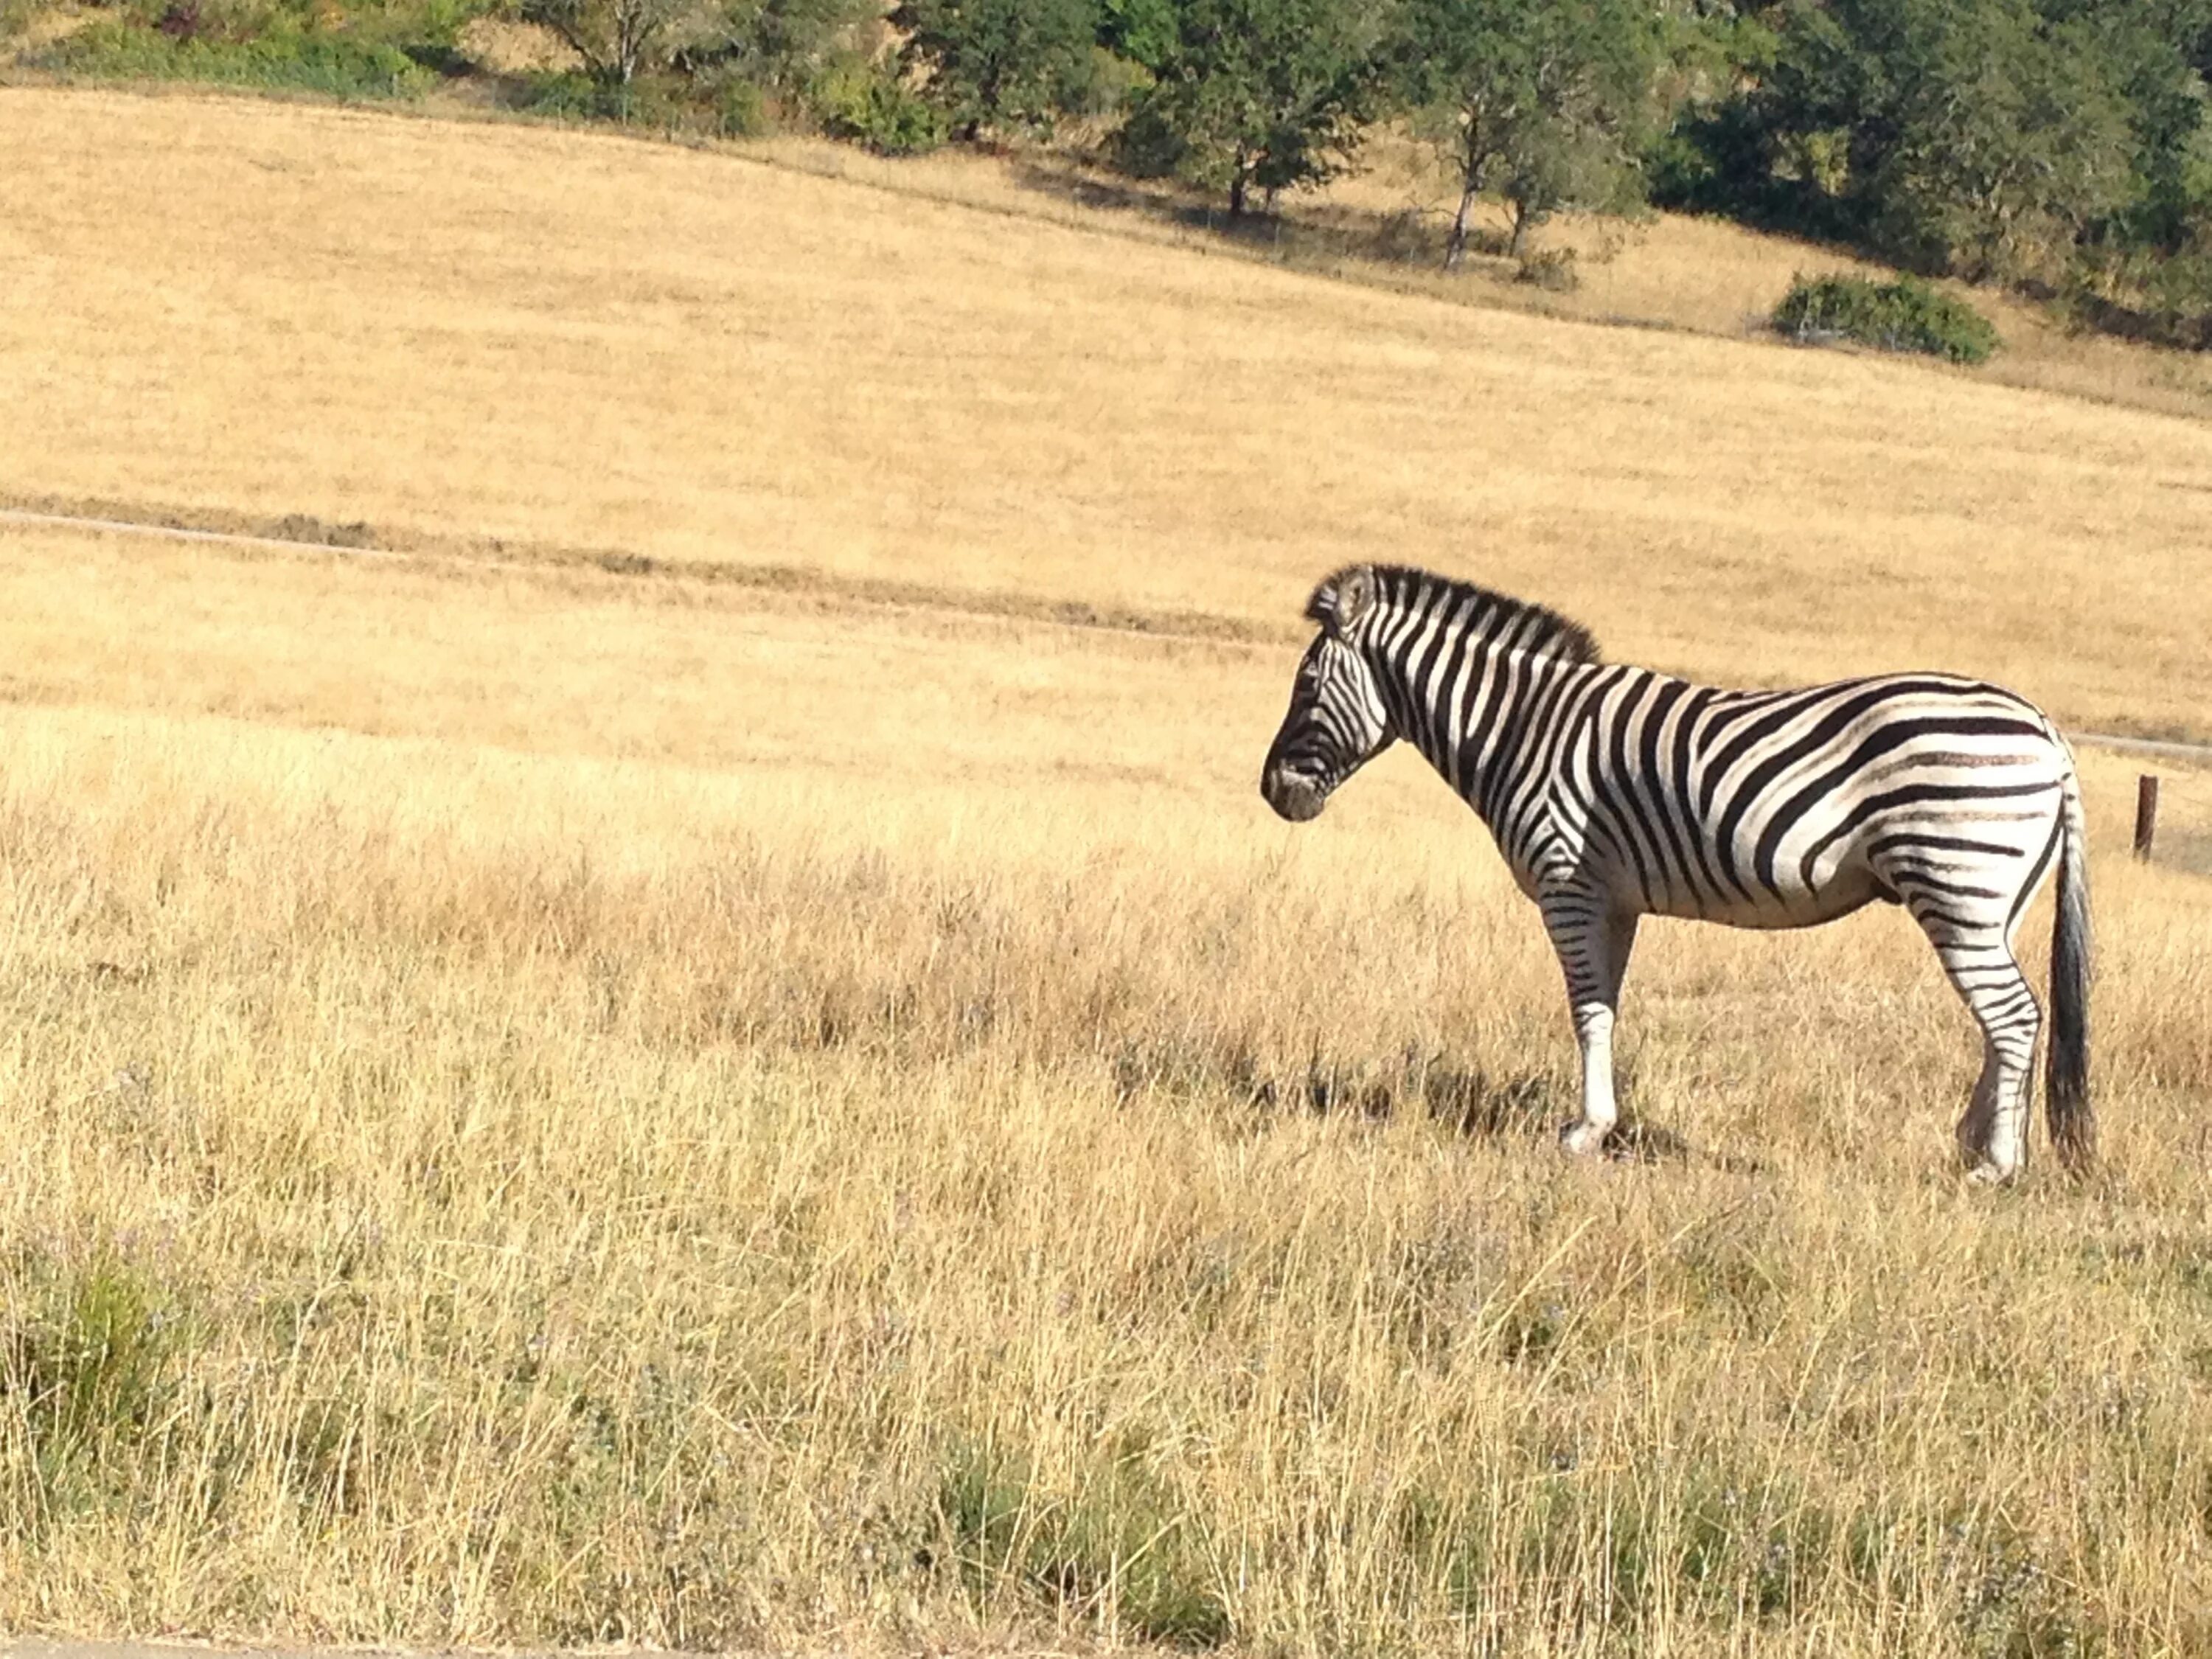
{"points": [[1527, 627]]}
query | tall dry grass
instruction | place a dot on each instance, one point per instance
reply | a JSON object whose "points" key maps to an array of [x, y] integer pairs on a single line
{"points": [[563, 1110]]}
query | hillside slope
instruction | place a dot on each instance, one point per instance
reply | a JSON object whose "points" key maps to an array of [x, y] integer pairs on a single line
{"points": [[252, 309]]}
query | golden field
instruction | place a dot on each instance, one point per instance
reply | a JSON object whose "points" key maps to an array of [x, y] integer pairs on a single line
{"points": [[578, 340], [814, 1108]]}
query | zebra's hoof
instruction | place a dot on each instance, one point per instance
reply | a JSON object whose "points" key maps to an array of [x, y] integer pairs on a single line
{"points": [[1988, 1172], [1584, 1140]]}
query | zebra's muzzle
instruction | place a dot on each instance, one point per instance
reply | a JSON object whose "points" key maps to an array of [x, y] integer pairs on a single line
{"points": [[1293, 795]]}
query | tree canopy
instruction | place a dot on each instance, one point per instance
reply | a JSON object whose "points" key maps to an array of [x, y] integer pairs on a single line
{"points": [[1005, 64], [2045, 141], [1267, 93], [1546, 100]]}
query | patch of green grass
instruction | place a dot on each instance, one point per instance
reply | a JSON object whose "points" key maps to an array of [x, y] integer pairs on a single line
{"points": [[86, 1363], [1120, 1548]]}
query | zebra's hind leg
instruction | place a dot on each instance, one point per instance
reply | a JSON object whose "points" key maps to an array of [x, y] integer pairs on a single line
{"points": [[1593, 942], [1979, 962]]}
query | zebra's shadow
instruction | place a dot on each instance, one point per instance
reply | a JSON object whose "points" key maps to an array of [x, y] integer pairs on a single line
{"points": [[1481, 1106]]}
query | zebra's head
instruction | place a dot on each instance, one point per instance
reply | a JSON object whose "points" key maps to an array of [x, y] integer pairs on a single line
{"points": [[1338, 721]]}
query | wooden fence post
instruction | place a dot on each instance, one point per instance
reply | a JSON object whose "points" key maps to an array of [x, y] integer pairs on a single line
{"points": [[2146, 813]]}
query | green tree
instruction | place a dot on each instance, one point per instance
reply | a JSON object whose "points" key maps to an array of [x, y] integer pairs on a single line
{"points": [[616, 39], [785, 44], [1983, 136], [1008, 64], [1269, 94], [2158, 53], [1546, 100], [2007, 139], [1141, 31]]}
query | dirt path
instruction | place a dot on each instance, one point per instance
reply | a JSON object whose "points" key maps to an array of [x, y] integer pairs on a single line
{"points": [[354, 542]]}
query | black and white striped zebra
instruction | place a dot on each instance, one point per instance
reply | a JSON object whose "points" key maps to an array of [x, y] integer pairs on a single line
{"points": [[1616, 793]]}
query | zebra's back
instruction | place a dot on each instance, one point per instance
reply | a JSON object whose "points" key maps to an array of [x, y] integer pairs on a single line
{"points": [[1783, 809]]}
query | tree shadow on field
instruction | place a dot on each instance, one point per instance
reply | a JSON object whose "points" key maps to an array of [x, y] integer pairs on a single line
{"points": [[2189, 850], [1084, 189], [1318, 231]]}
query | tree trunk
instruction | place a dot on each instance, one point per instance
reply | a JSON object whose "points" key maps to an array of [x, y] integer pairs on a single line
{"points": [[986, 102], [1519, 228], [626, 44], [1237, 183], [1456, 244], [1473, 164]]}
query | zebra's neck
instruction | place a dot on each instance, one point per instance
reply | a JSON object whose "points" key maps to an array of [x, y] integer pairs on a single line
{"points": [[1481, 707]]}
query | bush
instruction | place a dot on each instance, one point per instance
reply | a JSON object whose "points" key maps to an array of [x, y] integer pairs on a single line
{"points": [[1147, 145], [649, 101], [871, 106], [1906, 315], [334, 63], [86, 1353], [2163, 301], [740, 110], [1553, 269]]}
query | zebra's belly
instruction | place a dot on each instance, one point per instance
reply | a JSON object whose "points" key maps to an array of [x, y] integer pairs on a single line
{"points": [[1846, 890]]}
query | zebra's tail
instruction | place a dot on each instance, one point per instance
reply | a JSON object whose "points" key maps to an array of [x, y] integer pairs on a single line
{"points": [[2066, 1083]]}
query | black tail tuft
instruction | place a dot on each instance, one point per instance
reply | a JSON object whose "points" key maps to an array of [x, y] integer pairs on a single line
{"points": [[2073, 1119]]}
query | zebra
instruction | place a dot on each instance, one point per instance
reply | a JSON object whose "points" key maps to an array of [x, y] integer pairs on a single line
{"points": [[1615, 792]]}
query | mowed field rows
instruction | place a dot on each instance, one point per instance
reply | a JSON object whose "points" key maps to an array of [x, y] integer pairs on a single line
{"points": [[551, 1104]]}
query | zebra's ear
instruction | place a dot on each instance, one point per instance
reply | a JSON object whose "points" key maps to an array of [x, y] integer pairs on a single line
{"points": [[1339, 603]]}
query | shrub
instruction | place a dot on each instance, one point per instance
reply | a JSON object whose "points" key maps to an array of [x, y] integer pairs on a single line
{"points": [[1146, 145], [337, 64], [1906, 315], [1553, 269], [870, 104], [2164, 300], [740, 110], [649, 101]]}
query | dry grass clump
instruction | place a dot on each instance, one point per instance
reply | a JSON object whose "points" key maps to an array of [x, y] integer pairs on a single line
{"points": [[496, 1185]]}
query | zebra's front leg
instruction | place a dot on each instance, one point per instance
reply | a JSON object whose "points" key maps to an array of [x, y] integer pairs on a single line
{"points": [[1593, 941], [1601, 1111]]}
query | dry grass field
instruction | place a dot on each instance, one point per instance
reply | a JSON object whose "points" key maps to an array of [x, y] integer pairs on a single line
{"points": [[690, 1064]]}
